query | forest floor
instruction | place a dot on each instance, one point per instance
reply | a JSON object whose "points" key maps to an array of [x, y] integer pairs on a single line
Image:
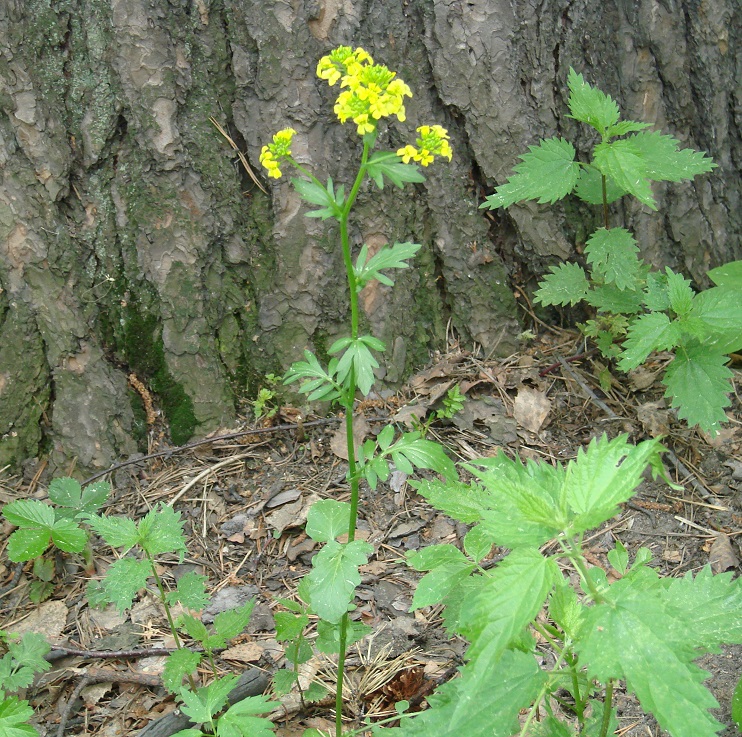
{"points": [[245, 498]]}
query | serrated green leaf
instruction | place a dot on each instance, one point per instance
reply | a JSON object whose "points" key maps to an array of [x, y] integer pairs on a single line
{"points": [[603, 476], [205, 702], [698, 382], [334, 577], [565, 608], [14, 716], [283, 681], [635, 638], [720, 309], [68, 536], [231, 623], [613, 254], [394, 257], [547, 173], [66, 492], [607, 298], [124, 579], [551, 727], [621, 160], [478, 543], [25, 544], [161, 531], [463, 502], [484, 702], [650, 332], [327, 519], [502, 603], [328, 635], [298, 651], [240, 720], [433, 556], [434, 586], [29, 652], [191, 591], [44, 569], [589, 187], [29, 513], [118, 532], [194, 627], [656, 298], [179, 664], [594, 725], [679, 292], [385, 164], [625, 126], [589, 104], [566, 285], [316, 691], [289, 626], [663, 161], [189, 733], [729, 275], [421, 453]]}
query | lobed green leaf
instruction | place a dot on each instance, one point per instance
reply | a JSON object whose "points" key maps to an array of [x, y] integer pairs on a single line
{"points": [[190, 592], [124, 579], [14, 716], [385, 164], [240, 720], [179, 664], [566, 285], [201, 705], [161, 531], [385, 258], [327, 520], [232, 622]]}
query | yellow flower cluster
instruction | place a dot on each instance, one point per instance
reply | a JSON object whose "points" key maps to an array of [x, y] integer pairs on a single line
{"points": [[272, 154], [432, 142], [372, 91]]}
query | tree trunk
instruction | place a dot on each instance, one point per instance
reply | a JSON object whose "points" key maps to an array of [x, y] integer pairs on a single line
{"points": [[132, 242]]}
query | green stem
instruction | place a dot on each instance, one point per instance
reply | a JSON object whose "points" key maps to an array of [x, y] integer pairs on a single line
{"points": [[575, 555], [607, 708], [605, 203]]}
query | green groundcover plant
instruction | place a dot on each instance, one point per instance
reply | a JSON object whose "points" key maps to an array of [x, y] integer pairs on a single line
{"points": [[648, 310]]}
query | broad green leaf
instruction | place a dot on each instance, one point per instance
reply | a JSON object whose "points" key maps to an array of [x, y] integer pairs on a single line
{"points": [[161, 531], [205, 702], [737, 705], [434, 586], [463, 502], [328, 635], [29, 651], [478, 543], [594, 724], [503, 603], [29, 513], [484, 702], [729, 275], [66, 492], [679, 293], [589, 187], [118, 532], [38, 526], [565, 608], [636, 639], [433, 556], [179, 664], [327, 519], [663, 161], [298, 651], [191, 591], [68, 536], [316, 691], [547, 173], [720, 308], [590, 105], [232, 622], [385, 437], [240, 720], [656, 298], [385, 164], [334, 577], [650, 332], [566, 285], [699, 383], [421, 453], [618, 557], [613, 254], [604, 476], [14, 716], [386, 258], [622, 161], [289, 626], [189, 733], [25, 544], [607, 298], [283, 681], [123, 579]]}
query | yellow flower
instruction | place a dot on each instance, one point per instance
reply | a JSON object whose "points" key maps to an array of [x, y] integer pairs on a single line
{"points": [[432, 142], [272, 154]]}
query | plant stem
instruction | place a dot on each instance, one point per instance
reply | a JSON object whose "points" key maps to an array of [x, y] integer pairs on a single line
{"points": [[607, 708], [605, 203]]}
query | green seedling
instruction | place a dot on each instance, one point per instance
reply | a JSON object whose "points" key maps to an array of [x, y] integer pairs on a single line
{"points": [[42, 526], [453, 403], [264, 405], [639, 310]]}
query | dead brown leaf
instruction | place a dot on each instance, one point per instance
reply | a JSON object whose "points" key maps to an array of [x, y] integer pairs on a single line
{"points": [[722, 556], [531, 408]]}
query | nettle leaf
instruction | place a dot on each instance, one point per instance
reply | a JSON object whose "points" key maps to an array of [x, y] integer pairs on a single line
{"points": [[328, 635], [612, 253], [635, 638], [729, 275], [622, 161], [604, 476], [385, 164], [193, 627], [625, 126], [590, 105], [319, 384], [14, 717], [698, 382], [315, 194], [358, 357], [179, 664], [502, 603], [566, 285], [552, 727], [190, 592], [161, 531], [124, 579], [327, 519], [679, 293], [436, 585], [608, 298], [478, 543], [67, 493], [463, 502], [386, 258], [232, 622], [589, 187], [651, 332], [289, 625], [656, 298], [334, 577], [201, 705], [420, 453], [118, 532], [546, 174], [565, 608], [240, 720], [720, 309], [663, 161], [484, 702]]}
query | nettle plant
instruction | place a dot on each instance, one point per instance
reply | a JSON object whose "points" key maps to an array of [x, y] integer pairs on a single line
{"points": [[550, 634], [639, 310], [369, 93]]}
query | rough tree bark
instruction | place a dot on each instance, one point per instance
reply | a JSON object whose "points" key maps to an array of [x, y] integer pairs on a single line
{"points": [[131, 242]]}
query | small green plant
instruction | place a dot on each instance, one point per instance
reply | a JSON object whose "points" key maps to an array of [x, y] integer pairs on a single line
{"points": [[453, 403], [647, 310], [264, 406], [545, 599], [18, 666], [41, 526]]}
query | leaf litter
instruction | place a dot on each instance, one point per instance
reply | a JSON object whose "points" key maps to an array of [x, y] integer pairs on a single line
{"points": [[245, 500]]}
